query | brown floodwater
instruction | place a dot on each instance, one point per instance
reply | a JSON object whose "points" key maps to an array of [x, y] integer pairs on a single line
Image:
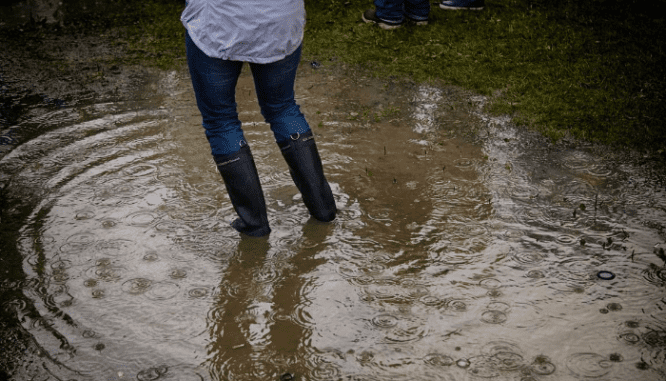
{"points": [[464, 248]]}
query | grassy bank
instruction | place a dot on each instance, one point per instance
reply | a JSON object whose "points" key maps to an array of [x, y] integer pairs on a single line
{"points": [[592, 70]]}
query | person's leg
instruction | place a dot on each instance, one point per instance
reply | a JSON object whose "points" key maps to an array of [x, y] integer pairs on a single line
{"points": [[274, 84], [214, 82], [390, 10], [473, 5], [417, 10]]}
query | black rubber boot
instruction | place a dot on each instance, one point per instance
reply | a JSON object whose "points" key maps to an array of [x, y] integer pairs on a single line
{"points": [[306, 170], [242, 183]]}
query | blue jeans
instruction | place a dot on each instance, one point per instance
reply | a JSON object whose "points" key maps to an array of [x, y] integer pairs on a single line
{"points": [[397, 10], [214, 81]]}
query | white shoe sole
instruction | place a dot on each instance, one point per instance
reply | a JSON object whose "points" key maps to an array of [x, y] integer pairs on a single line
{"points": [[381, 24], [460, 8]]}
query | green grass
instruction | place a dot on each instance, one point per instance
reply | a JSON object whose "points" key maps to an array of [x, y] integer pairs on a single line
{"points": [[591, 70]]}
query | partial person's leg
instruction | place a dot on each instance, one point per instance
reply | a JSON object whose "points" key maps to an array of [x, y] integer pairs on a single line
{"points": [[473, 5], [390, 10], [417, 11], [274, 84], [214, 82]]}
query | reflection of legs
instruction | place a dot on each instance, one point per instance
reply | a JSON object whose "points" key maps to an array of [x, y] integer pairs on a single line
{"points": [[289, 337], [274, 84], [214, 81], [246, 344], [239, 330]]}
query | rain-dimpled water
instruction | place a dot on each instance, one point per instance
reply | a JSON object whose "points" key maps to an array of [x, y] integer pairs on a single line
{"points": [[464, 248]]}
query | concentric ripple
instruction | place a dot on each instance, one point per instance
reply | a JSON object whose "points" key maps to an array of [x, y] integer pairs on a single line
{"points": [[409, 333], [137, 286], [629, 337], [384, 321], [162, 291], [542, 365], [152, 374], [484, 367], [436, 359], [589, 364], [493, 317], [456, 305], [198, 292], [141, 218], [114, 247], [527, 257]]}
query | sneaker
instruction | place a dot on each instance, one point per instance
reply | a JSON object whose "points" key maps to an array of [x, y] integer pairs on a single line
{"points": [[369, 16], [418, 22], [470, 5]]}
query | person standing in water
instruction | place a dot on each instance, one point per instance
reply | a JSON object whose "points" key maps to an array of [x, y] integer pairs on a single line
{"points": [[221, 36]]}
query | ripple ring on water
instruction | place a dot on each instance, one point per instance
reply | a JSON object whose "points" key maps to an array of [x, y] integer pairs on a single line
{"points": [[178, 273], [542, 366], [490, 283], [456, 305], [566, 239], [437, 359], [535, 274], [162, 291], [589, 364], [142, 218], [384, 321], [400, 335], [140, 170], [527, 258], [430, 300], [493, 317], [61, 264], [84, 237], [151, 374], [630, 337], [463, 163], [136, 286], [199, 292]]}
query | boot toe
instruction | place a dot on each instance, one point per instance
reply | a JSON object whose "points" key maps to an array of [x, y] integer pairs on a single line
{"points": [[253, 231]]}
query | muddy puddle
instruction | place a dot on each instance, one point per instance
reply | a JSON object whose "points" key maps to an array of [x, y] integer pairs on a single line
{"points": [[455, 256]]}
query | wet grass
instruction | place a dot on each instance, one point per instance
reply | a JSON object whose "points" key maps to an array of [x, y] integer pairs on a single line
{"points": [[589, 70]]}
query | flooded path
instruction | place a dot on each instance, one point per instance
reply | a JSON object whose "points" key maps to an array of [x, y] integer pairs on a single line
{"points": [[488, 256]]}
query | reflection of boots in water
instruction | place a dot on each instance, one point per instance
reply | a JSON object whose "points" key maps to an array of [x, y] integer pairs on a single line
{"points": [[242, 182], [240, 328], [290, 337], [306, 170]]}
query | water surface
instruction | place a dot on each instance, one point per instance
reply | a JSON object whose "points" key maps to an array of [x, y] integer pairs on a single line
{"points": [[455, 255]]}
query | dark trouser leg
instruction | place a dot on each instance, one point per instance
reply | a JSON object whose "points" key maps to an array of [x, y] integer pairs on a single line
{"points": [[274, 84], [214, 82]]}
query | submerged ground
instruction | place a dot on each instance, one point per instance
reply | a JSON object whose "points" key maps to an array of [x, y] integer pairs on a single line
{"points": [[465, 248]]}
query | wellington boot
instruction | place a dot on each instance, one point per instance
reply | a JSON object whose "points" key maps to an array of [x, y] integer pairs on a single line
{"points": [[306, 170], [242, 182]]}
